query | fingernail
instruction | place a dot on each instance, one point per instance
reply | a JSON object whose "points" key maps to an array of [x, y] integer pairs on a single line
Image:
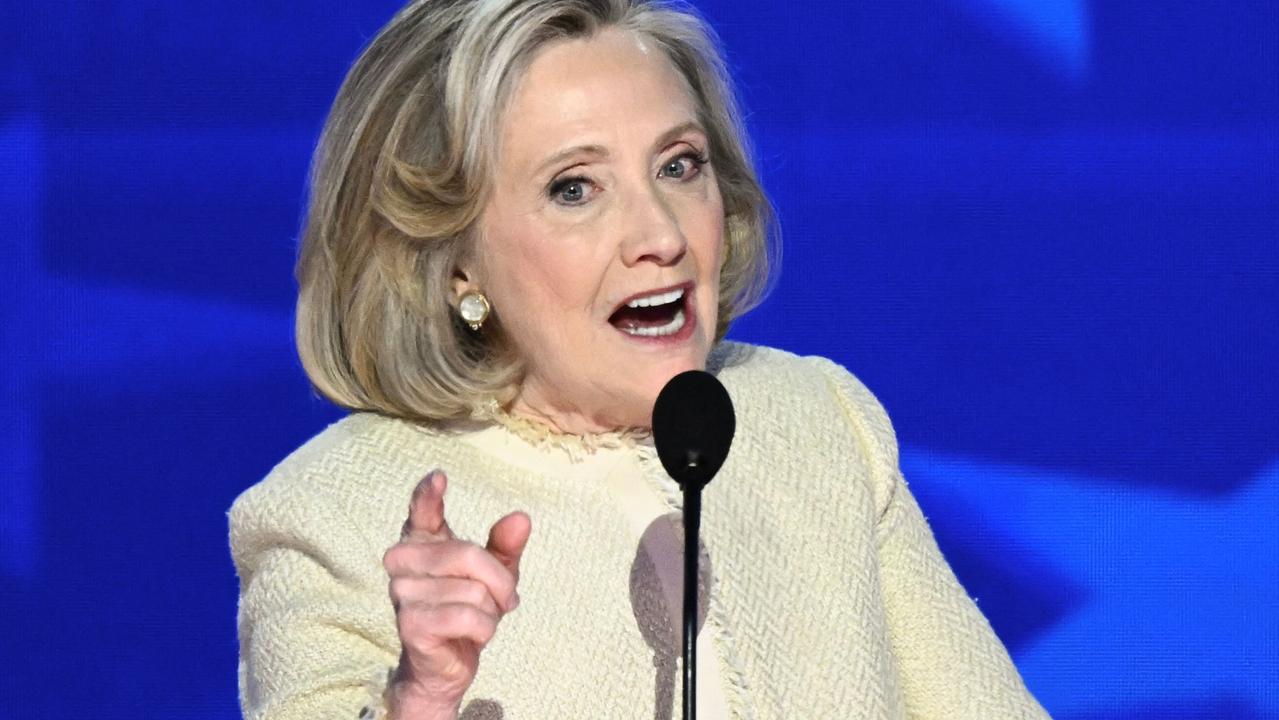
{"points": [[424, 485], [428, 482]]}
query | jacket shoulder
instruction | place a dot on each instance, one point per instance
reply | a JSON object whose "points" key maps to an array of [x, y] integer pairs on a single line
{"points": [[304, 470], [317, 492], [757, 370], [797, 395]]}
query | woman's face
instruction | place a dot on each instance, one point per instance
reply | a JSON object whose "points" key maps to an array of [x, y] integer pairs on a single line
{"points": [[600, 245]]}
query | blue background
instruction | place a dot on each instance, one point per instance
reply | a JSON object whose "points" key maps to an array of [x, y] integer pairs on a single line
{"points": [[1042, 231]]}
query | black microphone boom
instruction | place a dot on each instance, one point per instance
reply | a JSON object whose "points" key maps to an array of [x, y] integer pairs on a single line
{"points": [[693, 425]]}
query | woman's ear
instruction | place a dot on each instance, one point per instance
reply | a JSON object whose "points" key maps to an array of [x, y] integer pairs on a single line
{"points": [[461, 283]]}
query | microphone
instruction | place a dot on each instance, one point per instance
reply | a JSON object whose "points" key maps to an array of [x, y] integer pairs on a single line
{"points": [[693, 425]]}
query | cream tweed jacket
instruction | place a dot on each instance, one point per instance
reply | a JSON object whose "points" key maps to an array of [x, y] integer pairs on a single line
{"points": [[827, 595]]}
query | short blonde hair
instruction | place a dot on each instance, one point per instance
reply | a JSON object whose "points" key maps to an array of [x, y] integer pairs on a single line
{"points": [[399, 179]]}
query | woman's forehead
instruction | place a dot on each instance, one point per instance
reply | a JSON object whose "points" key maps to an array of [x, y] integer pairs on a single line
{"points": [[600, 91]]}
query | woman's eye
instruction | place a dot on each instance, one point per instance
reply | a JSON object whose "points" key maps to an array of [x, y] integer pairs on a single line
{"points": [[683, 166], [569, 191]]}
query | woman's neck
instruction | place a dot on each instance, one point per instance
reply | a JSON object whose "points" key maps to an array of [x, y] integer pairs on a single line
{"points": [[534, 407]]}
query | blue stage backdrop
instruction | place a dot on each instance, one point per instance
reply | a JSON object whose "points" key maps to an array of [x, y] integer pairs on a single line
{"points": [[1042, 231]]}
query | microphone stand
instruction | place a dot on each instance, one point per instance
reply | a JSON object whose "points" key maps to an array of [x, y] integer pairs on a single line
{"points": [[693, 425], [692, 527]]}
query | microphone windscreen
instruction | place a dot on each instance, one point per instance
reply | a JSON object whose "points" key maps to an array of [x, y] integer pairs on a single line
{"points": [[693, 425]]}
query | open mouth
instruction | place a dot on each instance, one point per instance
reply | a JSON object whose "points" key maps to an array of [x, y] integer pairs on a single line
{"points": [[657, 314]]}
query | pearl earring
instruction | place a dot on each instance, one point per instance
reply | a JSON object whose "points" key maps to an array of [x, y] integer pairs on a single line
{"points": [[474, 309]]}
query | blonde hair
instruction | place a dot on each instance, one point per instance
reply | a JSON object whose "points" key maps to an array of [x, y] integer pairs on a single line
{"points": [[398, 182]]}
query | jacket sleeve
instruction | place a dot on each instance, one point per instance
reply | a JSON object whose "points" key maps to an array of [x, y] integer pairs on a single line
{"points": [[950, 663], [316, 626]]}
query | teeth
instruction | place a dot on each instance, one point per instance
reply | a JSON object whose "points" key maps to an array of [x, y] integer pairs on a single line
{"points": [[669, 328], [662, 299]]}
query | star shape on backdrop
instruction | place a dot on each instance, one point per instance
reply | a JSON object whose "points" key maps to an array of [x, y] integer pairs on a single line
{"points": [[1055, 31], [1176, 599]]}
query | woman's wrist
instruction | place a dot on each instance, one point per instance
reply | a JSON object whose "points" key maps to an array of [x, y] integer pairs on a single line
{"points": [[406, 700]]}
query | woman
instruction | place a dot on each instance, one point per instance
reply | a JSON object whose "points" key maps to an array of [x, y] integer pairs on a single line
{"points": [[526, 216]]}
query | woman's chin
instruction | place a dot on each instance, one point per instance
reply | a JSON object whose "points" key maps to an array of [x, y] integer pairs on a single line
{"points": [[655, 382]]}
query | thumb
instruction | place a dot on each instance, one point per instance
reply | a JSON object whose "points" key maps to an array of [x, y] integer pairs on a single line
{"points": [[507, 539]]}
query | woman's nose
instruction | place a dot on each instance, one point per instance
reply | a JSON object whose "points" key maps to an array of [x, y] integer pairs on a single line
{"points": [[653, 233]]}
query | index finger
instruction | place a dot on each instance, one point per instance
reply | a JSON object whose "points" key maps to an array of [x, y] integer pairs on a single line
{"points": [[426, 521]]}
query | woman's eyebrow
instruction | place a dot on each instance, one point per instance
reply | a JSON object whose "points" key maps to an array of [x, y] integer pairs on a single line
{"points": [[594, 151], [669, 136], [600, 152]]}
